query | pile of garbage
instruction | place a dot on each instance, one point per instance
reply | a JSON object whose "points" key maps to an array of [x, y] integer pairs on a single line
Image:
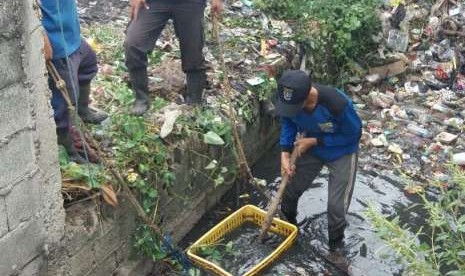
{"points": [[413, 106]]}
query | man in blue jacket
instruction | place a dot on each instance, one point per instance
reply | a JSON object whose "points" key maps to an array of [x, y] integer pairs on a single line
{"points": [[76, 64], [320, 123]]}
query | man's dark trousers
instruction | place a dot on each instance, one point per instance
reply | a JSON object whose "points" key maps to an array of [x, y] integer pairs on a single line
{"points": [[78, 69], [142, 34], [342, 174]]}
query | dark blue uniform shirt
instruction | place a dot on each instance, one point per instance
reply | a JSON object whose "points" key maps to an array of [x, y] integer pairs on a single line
{"points": [[334, 122]]}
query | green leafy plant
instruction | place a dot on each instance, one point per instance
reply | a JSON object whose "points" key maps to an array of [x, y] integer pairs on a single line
{"points": [[148, 244], [155, 57], [336, 33], [216, 252], [265, 90], [204, 121], [437, 248], [214, 129], [90, 174], [217, 172], [140, 153], [245, 106], [234, 22], [158, 103], [106, 40]]}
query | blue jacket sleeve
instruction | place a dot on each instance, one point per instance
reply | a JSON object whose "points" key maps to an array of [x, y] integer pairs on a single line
{"points": [[288, 134], [348, 131]]}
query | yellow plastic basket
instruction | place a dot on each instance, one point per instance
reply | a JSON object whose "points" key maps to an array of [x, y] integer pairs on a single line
{"points": [[248, 213]]}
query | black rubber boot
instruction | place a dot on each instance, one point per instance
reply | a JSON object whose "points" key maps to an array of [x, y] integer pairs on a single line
{"points": [[64, 139], [139, 83], [88, 115], [338, 255], [291, 218], [195, 85], [336, 237], [336, 244]]}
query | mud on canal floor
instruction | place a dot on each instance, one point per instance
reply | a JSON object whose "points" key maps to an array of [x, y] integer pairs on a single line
{"points": [[367, 253]]}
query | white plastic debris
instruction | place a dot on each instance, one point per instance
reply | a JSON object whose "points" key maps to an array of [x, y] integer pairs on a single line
{"points": [[373, 78], [412, 88], [301, 271], [168, 122], [379, 141], [454, 11], [395, 148], [260, 182], [212, 165], [454, 122], [446, 138], [213, 139], [459, 159], [255, 81]]}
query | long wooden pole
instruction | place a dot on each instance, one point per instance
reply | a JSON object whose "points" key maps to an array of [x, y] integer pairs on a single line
{"points": [[273, 206]]}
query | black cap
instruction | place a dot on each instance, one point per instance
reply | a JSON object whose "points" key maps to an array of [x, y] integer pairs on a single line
{"points": [[293, 89]]}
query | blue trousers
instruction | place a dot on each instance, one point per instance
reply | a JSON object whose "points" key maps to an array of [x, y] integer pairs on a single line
{"points": [[78, 68]]}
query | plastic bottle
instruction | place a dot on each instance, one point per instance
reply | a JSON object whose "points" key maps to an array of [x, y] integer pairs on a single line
{"points": [[397, 40], [419, 131]]}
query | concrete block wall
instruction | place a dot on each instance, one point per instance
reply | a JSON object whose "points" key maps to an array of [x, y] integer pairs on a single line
{"points": [[31, 212], [97, 240]]}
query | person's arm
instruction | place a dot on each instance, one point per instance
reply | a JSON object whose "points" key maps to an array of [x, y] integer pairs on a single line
{"points": [[217, 7], [287, 138], [288, 134], [136, 5], [48, 51], [349, 132]]}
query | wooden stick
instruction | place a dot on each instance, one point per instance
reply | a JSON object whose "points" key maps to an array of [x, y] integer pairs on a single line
{"points": [[273, 206]]}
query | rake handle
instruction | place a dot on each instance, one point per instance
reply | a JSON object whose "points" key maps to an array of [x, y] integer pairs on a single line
{"points": [[273, 206]]}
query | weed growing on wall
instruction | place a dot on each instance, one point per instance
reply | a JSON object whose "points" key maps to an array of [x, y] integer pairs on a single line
{"points": [[439, 247], [264, 91]]}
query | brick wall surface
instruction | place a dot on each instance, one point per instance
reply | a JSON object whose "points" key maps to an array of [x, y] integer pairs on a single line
{"points": [[31, 212]]}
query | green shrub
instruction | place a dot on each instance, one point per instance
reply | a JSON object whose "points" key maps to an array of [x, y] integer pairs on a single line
{"points": [[336, 33], [438, 247]]}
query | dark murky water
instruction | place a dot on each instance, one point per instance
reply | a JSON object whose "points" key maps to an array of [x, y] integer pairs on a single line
{"points": [[366, 253], [240, 251]]}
